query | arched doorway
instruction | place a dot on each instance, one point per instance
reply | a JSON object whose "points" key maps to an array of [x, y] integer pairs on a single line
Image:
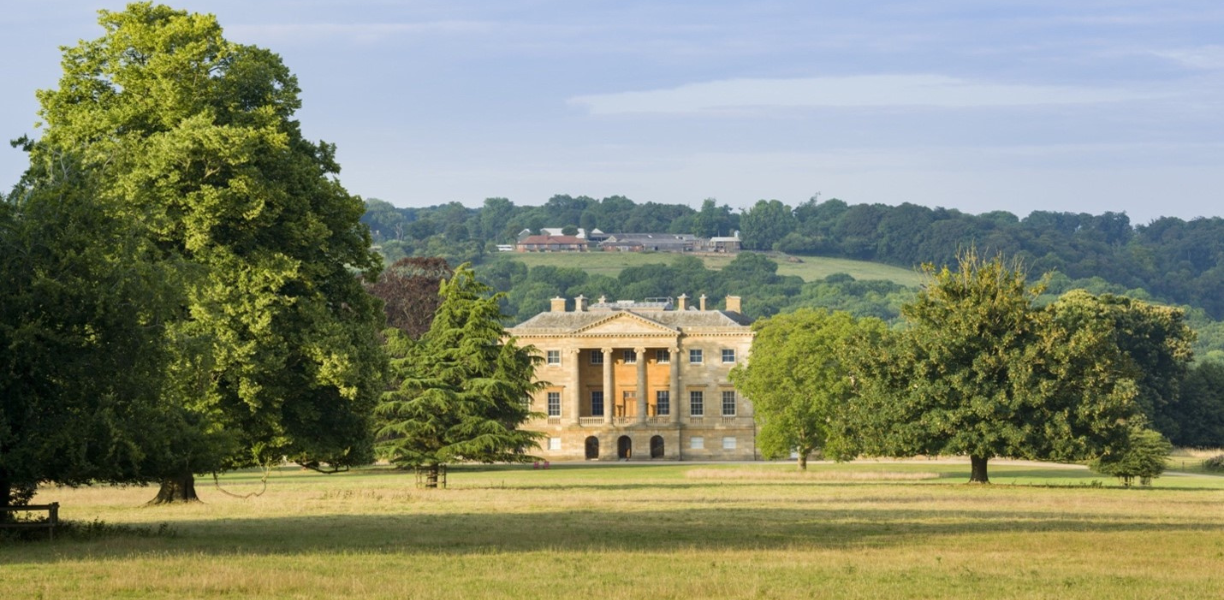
{"points": [[624, 447], [592, 448], [656, 447]]}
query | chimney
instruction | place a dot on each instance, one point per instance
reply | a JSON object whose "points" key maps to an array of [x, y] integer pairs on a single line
{"points": [[733, 304], [701, 302], [580, 304], [682, 302], [558, 304]]}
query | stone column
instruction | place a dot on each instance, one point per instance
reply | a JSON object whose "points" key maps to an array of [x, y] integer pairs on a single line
{"points": [[641, 384], [575, 392], [674, 391], [607, 385]]}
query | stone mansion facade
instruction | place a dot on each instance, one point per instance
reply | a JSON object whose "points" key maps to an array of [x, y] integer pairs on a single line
{"points": [[641, 380]]}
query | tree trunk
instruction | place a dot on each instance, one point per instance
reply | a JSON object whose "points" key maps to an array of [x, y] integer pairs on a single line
{"points": [[977, 473], [6, 498], [431, 477], [176, 489], [802, 461]]}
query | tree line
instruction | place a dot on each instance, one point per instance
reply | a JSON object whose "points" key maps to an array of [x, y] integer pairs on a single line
{"points": [[1169, 259]]}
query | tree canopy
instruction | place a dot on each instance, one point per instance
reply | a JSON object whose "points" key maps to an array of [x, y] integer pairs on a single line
{"points": [[192, 137], [796, 379], [82, 352], [981, 370]]}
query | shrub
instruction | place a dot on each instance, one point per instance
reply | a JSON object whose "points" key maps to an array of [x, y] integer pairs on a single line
{"points": [[1214, 464], [1144, 458]]}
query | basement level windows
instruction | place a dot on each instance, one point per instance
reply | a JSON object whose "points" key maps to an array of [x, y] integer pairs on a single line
{"points": [[554, 357], [554, 443], [697, 443]]}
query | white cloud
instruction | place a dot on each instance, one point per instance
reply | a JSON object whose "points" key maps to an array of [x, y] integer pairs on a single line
{"points": [[1202, 57], [734, 95], [364, 32]]}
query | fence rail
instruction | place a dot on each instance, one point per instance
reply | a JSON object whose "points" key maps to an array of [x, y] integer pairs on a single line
{"points": [[50, 524]]}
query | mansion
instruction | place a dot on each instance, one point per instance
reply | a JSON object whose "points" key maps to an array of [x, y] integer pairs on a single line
{"points": [[641, 380]]}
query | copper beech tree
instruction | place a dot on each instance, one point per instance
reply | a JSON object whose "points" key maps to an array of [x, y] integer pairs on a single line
{"points": [[409, 291]]}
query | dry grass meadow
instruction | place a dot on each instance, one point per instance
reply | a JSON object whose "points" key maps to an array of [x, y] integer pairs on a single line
{"points": [[860, 530]]}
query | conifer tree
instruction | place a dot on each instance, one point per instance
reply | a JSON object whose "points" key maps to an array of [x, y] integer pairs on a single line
{"points": [[461, 391]]}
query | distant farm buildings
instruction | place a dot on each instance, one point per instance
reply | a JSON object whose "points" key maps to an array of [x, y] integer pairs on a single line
{"points": [[552, 240]]}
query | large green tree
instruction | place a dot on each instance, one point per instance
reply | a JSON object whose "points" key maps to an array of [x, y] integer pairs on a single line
{"points": [[193, 136], [981, 370], [796, 379], [461, 391], [82, 346]]}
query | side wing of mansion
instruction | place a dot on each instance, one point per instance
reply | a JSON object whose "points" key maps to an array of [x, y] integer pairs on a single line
{"points": [[641, 380]]}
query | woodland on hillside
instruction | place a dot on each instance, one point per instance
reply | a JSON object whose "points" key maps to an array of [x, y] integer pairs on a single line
{"points": [[1170, 259]]}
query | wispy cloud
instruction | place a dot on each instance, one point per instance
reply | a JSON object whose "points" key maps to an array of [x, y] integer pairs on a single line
{"points": [[735, 95], [1202, 57], [362, 32]]}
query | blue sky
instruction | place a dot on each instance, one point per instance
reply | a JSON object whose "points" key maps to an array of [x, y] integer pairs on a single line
{"points": [[977, 105]]}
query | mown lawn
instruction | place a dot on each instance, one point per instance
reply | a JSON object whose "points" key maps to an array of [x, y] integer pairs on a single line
{"points": [[811, 269], [863, 530]]}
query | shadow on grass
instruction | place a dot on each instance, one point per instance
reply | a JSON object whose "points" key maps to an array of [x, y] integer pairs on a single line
{"points": [[706, 528]]}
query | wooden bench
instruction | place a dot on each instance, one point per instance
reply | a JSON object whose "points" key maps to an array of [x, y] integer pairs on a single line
{"points": [[50, 524]]}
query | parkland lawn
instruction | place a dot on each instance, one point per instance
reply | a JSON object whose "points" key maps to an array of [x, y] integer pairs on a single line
{"points": [[862, 530], [811, 269]]}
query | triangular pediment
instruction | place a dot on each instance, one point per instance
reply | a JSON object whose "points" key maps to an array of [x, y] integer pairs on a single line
{"points": [[626, 324]]}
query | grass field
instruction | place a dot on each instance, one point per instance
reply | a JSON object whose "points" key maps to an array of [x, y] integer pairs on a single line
{"points": [[862, 530], [812, 268]]}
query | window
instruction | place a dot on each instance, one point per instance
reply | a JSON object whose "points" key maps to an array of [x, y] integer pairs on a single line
{"points": [[554, 357], [696, 404], [662, 356], [663, 403], [728, 443], [554, 404], [697, 443], [728, 403], [695, 357], [596, 357], [728, 355], [630, 357], [597, 408], [554, 443]]}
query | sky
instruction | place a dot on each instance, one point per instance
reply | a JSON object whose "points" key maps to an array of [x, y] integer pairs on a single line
{"points": [[979, 105]]}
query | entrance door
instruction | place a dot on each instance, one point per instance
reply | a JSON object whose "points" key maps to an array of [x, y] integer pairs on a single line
{"points": [[656, 447], [624, 447], [592, 448]]}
